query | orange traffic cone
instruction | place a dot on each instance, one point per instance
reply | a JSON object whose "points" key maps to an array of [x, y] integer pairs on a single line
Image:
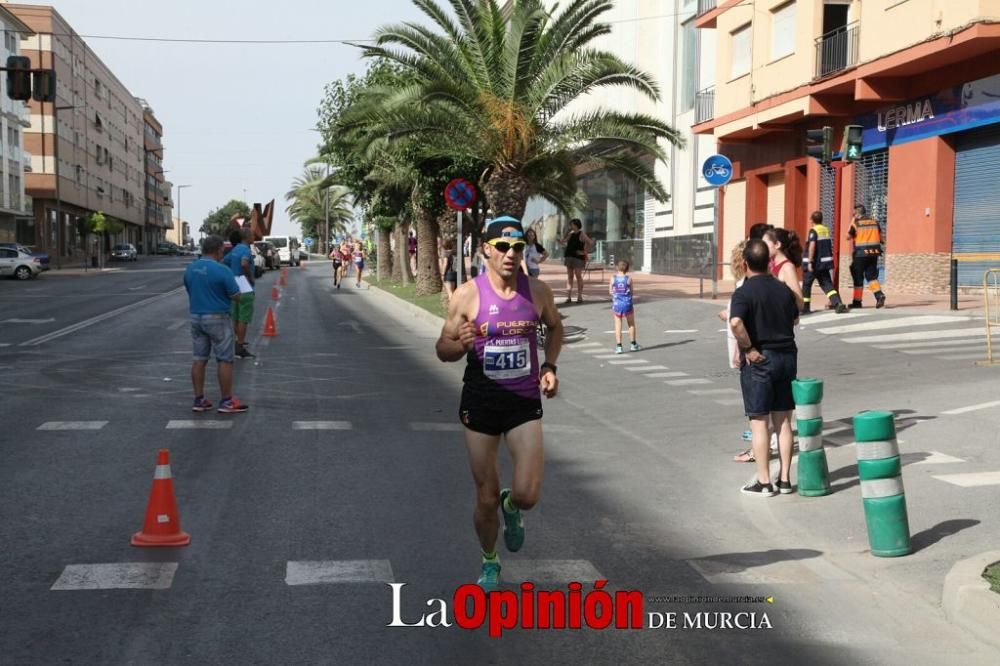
{"points": [[162, 526], [270, 330], [274, 293], [282, 282]]}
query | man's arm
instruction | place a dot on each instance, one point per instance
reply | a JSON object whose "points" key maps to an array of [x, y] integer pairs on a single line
{"points": [[458, 335], [549, 316], [743, 340]]}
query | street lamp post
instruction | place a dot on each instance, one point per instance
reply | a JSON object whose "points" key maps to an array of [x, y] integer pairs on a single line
{"points": [[179, 217]]}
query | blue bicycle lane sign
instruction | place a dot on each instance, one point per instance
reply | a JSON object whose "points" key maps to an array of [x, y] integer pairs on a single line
{"points": [[718, 170]]}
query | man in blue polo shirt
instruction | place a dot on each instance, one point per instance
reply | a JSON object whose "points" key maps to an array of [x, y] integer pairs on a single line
{"points": [[240, 262], [211, 289]]}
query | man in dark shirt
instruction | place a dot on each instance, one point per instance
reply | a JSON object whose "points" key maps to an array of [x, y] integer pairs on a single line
{"points": [[762, 318]]}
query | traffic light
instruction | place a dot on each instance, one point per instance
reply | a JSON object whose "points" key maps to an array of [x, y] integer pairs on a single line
{"points": [[43, 87], [19, 78], [852, 142], [819, 144]]}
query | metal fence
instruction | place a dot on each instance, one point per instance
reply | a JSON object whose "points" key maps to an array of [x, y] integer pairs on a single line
{"points": [[705, 6], [682, 255], [704, 105], [611, 252], [837, 50]]}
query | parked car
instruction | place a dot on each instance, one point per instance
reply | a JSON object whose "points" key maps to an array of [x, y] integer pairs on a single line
{"points": [[30, 250], [168, 248], [259, 265], [271, 259], [19, 263], [124, 252]]}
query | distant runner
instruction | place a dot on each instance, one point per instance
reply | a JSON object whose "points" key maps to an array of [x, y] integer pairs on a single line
{"points": [[359, 261], [492, 322]]}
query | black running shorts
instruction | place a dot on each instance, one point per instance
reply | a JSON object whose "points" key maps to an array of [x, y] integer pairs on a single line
{"points": [[493, 415]]}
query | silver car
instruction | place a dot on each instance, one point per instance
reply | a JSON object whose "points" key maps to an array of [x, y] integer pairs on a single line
{"points": [[124, 252], [19, 264]]}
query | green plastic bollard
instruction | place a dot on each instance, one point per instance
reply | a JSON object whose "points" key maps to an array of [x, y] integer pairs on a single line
{"points": [[882, 484], [814, 474]]}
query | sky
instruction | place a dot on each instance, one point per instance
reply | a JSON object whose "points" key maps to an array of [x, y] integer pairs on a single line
{"points": [[235, 117]]}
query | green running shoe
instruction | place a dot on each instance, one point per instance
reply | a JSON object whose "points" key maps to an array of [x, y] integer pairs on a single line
{"points": [[513, 526], [489, 579]]}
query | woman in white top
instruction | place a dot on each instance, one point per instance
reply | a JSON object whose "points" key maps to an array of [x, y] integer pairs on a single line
{"points": [[534, 253]]}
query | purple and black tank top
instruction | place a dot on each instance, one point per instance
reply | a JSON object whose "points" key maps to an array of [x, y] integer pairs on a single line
{"points": [[505, 358]]}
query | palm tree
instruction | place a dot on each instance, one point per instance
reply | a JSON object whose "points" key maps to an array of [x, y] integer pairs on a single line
{"points": [[491, 87], [309, 204]]}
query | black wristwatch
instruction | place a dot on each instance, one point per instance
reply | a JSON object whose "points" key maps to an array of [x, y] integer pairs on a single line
{"points": [[550, 366]]}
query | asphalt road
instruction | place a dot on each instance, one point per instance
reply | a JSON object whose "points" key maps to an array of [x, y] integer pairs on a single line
{"points": [[349, 457]]}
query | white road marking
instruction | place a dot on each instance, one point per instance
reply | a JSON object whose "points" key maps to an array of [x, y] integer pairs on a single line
{"points": [[720, 391], [559, 572], [813, 320], [581, 345], [190, 424], [117, 576], [687, 382], [920, 335], [666, 375], [937, 458], [971, 480], [605, 356], [27, 321], [972, 408], [136, 288], [5, 344], [981, 356], [682, 330], [942, 350], [895, 322], [177, 324], [599, 350], [730, 402], [321, 425], [338, 571], [833, 431], [939, 343], [72, 425], [48, 337], [648, 368], [628, 361]]}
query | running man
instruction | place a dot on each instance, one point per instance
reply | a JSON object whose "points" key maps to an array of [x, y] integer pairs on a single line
{"points": [[492, 322]]}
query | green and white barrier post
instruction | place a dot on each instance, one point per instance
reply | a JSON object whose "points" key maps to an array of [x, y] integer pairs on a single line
{"points": [[814, 476], [881, 484]]}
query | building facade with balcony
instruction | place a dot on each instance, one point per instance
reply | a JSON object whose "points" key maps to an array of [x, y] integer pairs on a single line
{"points": [[15, 208], [922, 79], [627, 223], [157, 199], [93, 159]]}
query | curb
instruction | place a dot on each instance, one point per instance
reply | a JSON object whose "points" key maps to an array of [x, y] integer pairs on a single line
{"points": [[968, 601], [414, 311]]}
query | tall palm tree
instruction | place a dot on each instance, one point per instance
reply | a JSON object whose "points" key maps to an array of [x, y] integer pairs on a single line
{"points": [[491, 86], [309, 204]]}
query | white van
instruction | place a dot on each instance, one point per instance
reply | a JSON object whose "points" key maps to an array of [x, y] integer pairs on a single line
{"points": [[288, 248]]}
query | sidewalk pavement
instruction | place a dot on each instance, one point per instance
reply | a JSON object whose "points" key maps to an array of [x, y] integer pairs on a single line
{"points": [[649, 286]]}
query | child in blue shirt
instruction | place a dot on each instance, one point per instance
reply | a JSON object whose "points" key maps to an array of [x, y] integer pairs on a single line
{"points": [[620, 289]]}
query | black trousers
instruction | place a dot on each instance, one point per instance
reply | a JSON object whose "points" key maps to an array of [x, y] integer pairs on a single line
{"points": [[864, 268], [825, 279]]}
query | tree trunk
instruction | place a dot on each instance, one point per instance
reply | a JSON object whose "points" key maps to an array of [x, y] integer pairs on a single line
{"points": [[507, 193], [401, 261], [384, 262], [428, 268]]}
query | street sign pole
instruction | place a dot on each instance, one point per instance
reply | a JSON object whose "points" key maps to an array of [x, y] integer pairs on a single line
{"points": [[460, 248], [717, 171], [715, 245]]}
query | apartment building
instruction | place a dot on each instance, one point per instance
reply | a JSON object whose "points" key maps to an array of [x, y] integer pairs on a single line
{"points": [[15, 218], [923, 80], [88, 149], [157, 193], [659, 37]]}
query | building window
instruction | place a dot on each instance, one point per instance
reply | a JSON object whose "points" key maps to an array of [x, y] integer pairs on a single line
{"points": [[741, 52], [689, 65], [783, 31]]}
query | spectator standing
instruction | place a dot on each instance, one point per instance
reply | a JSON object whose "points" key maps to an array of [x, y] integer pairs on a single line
{"points": [[211, 288], [786, 256], [411, 248], [449, 267], [534, 253], [577, 245], [762, 317], [240, 262]]}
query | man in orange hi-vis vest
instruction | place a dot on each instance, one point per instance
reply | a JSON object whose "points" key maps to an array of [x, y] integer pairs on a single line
{"points": [[866, 239]]}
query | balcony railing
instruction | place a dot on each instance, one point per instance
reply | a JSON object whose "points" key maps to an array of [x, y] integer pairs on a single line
{"points": [[837, 50], [705, 6], [26, 161], [704, 105]]}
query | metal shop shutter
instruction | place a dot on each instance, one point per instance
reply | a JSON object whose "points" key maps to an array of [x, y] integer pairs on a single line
{"points": [[976, 235], [871, 189]]}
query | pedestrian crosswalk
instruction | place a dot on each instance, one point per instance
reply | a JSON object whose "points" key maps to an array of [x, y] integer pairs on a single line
{"points": [[940, 336]]}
